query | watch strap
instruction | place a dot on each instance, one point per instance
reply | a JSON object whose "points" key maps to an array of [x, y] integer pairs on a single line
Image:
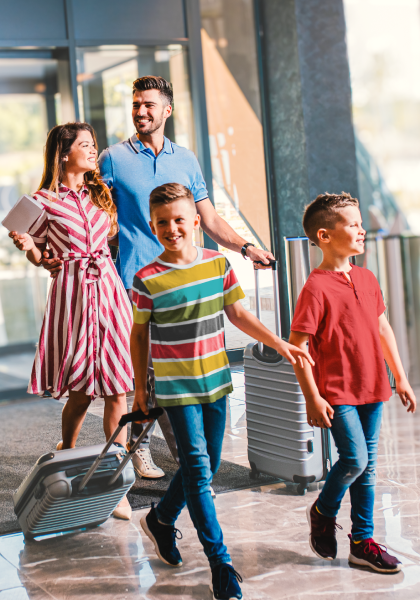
{"points": [[244, 248]]}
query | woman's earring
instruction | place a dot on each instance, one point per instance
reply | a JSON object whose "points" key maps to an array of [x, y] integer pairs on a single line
{"points": [[65, 158]]}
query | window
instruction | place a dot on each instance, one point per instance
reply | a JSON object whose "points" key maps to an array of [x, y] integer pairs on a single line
{"points": [[236, 139], [32, 100], [105, 78]]}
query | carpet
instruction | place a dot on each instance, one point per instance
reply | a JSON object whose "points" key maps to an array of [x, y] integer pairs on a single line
{"points": [[229, 477], [32, 428]]}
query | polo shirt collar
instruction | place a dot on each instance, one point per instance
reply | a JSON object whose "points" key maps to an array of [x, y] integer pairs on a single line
{"points": [[138, 146]]}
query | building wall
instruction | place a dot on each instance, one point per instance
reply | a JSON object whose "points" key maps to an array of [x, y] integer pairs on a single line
{"points": [[96, 20]]}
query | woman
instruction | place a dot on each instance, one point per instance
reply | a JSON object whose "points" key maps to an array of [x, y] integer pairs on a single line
{"points": [[84, 345]]}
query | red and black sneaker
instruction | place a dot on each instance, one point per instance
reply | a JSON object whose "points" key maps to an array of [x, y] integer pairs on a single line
{"points": [[368, 553], [322, 538]]}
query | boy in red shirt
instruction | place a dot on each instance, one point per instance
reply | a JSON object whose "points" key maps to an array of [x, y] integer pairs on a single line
{"points": [[341, 312]]}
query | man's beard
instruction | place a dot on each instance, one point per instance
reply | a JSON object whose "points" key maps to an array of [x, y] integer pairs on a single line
{"points": [[153, 126]]}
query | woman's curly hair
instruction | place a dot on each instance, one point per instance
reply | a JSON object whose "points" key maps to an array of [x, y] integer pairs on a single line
{"points": [[59, 142]]}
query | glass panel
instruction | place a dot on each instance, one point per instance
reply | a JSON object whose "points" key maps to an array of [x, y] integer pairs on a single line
{"points": [[236, 138], [383, 39], [30, 104], [34, 96], [106, 75]]}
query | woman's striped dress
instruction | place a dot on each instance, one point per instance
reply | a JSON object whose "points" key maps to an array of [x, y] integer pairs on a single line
{"points": [[85, 337]]}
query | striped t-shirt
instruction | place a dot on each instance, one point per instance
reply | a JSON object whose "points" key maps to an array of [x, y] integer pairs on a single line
{"points": [[184, 304]]}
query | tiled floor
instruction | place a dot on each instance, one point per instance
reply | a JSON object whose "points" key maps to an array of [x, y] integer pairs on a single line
{"points": [[265, 530]]}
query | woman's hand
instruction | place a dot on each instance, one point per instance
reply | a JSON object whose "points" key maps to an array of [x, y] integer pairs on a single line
{"points": [[22, 241], [294, 354]]}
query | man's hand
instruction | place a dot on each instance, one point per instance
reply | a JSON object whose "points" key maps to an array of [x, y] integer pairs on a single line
{"points": [[257, 254], [222, 233], [294, 354], [406, 394], [319, 413], [140, 403], [53, 265]]}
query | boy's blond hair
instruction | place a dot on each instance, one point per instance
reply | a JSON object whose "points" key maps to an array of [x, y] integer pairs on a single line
{"points": [[324, 213]]}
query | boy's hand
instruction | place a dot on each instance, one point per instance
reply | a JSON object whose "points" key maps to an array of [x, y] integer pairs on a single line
{"points": [[140, 403], [294, 354], [22, 241], [319, 413], [407, 396]]}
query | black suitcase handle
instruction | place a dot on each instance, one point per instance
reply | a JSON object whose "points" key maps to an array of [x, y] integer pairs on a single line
{"points": [[273, 263], [139, 415]]}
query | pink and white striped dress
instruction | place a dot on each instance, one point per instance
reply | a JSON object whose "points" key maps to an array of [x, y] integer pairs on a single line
{"points": [[85, 337]]}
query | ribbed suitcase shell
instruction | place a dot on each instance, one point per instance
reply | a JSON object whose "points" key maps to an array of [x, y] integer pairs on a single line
{"points": [[280, 441], [47, 500]]}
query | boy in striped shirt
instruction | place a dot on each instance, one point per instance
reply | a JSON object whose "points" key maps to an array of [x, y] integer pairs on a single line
{"points": [[182, 296]]}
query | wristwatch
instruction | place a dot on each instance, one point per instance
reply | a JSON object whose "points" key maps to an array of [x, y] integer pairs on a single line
{"points": [[244, 247]]}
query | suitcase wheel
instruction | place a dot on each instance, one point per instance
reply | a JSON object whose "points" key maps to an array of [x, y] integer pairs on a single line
{"points": [[302, 489], [254, 471]]}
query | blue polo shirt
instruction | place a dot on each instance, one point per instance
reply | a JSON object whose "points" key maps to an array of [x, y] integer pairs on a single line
{"points": [[132, 171]]}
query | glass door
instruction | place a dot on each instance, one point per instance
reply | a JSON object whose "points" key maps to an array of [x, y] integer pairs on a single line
{"points": [[105, 78], [236, 142], [32, 100]]}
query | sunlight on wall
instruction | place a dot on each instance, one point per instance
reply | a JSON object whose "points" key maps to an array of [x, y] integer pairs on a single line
{"points": [[236, 142]]}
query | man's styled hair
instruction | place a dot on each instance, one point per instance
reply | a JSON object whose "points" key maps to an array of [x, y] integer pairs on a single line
{"points": [[324, 213], [170, 192], [152, 82]]}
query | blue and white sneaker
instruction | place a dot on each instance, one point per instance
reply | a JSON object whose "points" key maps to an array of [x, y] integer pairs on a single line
{"points": [[224, 583]]}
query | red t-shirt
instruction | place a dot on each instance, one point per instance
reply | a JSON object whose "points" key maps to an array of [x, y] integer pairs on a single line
{"points": [[342, 320]]}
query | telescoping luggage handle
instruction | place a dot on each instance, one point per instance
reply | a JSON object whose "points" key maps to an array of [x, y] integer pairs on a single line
{"points": [[273, 265], [138, 415]]}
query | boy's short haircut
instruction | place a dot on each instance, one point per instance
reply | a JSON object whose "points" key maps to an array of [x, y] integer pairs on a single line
{"points": [[152, 82], [324, 213], [170, 192]]}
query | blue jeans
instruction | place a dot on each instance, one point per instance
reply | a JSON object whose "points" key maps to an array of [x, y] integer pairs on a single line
{"points": [[199, 431], [355, 430]]}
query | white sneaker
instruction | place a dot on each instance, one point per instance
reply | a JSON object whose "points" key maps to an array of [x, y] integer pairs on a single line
{"points": [[144, 466]]}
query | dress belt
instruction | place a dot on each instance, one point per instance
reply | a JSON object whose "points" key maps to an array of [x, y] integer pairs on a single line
{"points": [[94, 263]]}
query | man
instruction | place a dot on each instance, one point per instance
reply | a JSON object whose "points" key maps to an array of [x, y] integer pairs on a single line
{"points": [[132, 169]]}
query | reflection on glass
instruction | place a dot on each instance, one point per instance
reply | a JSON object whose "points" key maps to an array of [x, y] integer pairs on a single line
{"points": [[105, 78], [236, 137]]}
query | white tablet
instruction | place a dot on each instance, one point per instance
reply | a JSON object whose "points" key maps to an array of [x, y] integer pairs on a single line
{"points": [[24, 213]]}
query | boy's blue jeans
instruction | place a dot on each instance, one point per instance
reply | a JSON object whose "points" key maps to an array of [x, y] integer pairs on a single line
{"points": [[199, 431], [355, 430]]}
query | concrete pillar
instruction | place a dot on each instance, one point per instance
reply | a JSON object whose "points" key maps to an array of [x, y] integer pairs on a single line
{"points": [[308, 123]]}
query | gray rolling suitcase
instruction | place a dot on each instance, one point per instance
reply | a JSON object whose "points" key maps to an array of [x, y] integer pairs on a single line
{"points": [[280, 441], [69, 489]]}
